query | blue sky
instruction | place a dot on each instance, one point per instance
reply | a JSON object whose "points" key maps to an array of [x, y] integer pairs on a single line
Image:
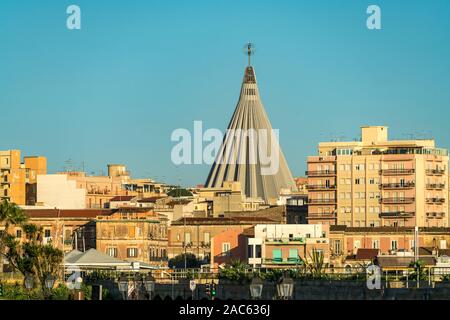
{"points": [[114, 91]]}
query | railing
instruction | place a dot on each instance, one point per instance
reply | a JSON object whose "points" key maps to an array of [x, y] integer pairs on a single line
{"points": [[435, 214], [292, 260], [320, 187], [436, 200], [435, 186], [321, 201], [396, 171], [330, 215], [397, 214], [435, 171], [397, 200], [320, 173], [406, 185]]}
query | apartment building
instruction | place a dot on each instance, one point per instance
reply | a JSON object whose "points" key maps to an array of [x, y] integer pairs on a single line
{"points": [[378, 182], [18, 179], [193, 235], [133, 234], [346, 241], [100, 189], [287, 245]]}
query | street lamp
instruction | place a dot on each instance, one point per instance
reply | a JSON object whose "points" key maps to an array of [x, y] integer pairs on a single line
{"points": [[29, 281], [50, 281], [285, 287], [256, 287], [123, 286], [149, 284]]}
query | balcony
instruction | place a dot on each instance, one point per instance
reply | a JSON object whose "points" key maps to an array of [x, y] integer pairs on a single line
{"points": [[285, 241], [397, 200], [436, 200], [438, 186], [437, 215], [406, 185], [398, 214], [393, 172], [321, 173], [319, 216], [322, 201], [318, 187], [282, 261], [437, 172]]}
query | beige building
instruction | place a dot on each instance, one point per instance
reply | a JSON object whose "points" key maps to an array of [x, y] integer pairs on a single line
{"points": [[18, 179], [379, 182], [101, 189], [57, 191], [133, 235], [215, 201]]}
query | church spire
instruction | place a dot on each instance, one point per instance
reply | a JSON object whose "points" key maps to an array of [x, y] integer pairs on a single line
{"points": [[241, 155]]}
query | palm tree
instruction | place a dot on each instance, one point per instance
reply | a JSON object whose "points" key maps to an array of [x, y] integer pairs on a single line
{"points": [[314, 264], [10, 215]]}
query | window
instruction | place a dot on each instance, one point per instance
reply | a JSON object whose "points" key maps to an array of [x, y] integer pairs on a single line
{"points": [[394, 245], [357, 244], [112, 252], [206, 237], [375, 244], [187, 238], [371, 181], [132, 252], [250, 252], [226, 249], [293, 254], [337, 247], [258, 251], [276, 255], [47, 233], [19, 233], [357, 181]]}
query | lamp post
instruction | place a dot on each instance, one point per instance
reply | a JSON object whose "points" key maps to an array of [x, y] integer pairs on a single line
{"points": [[49, 282], [29, 283], [123, 286], [149, 284], [285, 287], [256, 287]]}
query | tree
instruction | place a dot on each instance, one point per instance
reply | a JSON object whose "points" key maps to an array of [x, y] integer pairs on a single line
{"points": [[179, 192], [33, 258], [10, 215], [314, 264], [177, 262]]}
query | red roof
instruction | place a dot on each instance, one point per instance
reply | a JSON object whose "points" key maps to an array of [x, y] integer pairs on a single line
{"points": [[122, 198], [366, 254], [66, 213]]}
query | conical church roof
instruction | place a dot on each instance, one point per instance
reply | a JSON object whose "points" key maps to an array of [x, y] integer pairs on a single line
{"points": [[243, 154]]}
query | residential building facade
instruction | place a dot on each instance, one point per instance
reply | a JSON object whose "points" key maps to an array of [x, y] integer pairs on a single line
{"points": [[379, 182]]}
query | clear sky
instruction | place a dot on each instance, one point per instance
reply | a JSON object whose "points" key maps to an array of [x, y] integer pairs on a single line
{"points": [[114, 91]]}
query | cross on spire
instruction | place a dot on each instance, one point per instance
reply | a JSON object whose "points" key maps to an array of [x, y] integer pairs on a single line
{"points": [[250, 47]]}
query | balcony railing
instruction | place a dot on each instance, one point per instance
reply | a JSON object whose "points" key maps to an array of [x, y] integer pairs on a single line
{"points": [[397, 214], [436, 200], [435, 215], [396, 200], [321, 201], [321, 216], [388, 172], [282, 261], [435, 185], [320, 187], [321, 173], [406, 185], [435, 171]]}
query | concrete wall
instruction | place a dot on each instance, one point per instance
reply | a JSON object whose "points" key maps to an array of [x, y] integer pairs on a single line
{"points": [[56, 191]]}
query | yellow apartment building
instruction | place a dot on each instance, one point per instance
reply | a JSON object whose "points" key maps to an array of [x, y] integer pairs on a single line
{"points": [[17, 178], [379, 182]]}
